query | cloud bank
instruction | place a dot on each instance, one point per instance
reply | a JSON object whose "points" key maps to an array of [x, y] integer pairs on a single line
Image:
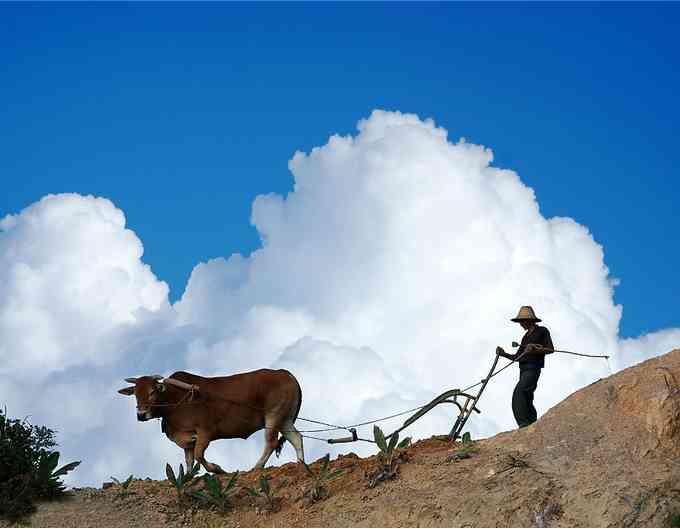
{"points": [[387, 276]]}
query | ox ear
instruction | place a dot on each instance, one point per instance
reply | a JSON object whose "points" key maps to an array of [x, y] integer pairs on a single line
{"points": [[127, 391]]}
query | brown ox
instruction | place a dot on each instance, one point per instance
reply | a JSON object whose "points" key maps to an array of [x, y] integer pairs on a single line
{"points": [[197, 410]]}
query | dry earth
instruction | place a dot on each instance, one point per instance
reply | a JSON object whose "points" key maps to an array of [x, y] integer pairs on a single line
{"points": [[606, 456]]}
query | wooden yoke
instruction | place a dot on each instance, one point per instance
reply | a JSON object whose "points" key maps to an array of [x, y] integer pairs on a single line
{"points": [[180, 384]]}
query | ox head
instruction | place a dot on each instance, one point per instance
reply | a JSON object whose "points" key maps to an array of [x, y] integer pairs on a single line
{"points": [[148, 391]]}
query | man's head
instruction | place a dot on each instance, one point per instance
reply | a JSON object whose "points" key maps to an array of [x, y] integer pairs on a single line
{"points": [[526, 317]]}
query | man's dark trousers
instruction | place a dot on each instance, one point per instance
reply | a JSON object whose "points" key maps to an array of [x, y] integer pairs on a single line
{"points": [[523, 396]]}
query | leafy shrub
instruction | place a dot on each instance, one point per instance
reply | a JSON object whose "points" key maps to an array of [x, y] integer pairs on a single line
{"points": [[318, 491], [215, 494], [28, 466], [16, 497]]}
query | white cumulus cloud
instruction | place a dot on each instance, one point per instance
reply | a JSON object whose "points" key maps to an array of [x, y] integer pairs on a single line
{"points": [[70, 274], [400, 241]]}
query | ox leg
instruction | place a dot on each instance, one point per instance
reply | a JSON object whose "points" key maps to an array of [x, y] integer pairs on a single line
{"points": [[189, 458], [186, 440], [199, 450], [293, 437], [270, 442]]}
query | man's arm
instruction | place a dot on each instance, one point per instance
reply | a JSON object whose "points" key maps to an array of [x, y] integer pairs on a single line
{"points": [[547, 341], [501, 352]]}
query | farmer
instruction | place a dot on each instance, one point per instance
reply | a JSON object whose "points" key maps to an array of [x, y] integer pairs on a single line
{"points": [[531, 357]]}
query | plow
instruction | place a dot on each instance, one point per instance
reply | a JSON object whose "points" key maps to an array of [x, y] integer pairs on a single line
{"points": [[467, 405]]}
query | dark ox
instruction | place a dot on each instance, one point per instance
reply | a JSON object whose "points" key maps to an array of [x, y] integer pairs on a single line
{"points": [[197, 410]]}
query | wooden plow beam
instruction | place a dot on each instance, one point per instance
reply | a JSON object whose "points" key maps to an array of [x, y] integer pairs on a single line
{"points": [[448, 397]]}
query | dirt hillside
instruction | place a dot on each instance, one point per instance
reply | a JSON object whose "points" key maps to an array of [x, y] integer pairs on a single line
{"points": [[608, 455]]}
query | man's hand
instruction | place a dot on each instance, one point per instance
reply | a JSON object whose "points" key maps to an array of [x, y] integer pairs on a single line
{"points": [[501, 352], [534, 348]]}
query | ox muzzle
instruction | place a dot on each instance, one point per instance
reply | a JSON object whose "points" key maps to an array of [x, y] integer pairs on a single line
{"points": [[144, 415]]}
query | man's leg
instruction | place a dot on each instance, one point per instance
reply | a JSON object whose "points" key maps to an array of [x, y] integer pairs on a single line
{"points": [[519, 407], [532, 383], [523, 397]]}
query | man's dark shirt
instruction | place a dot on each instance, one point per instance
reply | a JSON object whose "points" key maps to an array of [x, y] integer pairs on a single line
{"points": [[540, 336]]}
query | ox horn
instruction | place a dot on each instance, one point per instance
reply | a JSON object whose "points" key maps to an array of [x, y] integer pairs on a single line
{"points": [[180, 384], [157, 377], [131, 380]]}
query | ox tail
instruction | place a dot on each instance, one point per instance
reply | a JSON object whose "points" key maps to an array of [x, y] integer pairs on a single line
{"points": [[279, 446], [282, 439]]}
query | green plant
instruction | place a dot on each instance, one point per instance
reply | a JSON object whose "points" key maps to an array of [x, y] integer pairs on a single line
{"points": [[388, 451], [391, 455], [123, 485], [47, 476], [465, 451], [318, 491], [27, 466], [16, 497], [182, 481], [674, 520], [21, 445], [214, 493], [266, 493]]}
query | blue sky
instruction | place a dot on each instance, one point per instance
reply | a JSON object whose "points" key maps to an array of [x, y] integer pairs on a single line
{"points": [[182, 114]]}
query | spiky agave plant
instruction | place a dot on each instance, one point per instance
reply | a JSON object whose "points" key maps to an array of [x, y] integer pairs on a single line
{"points": [[266, 492], [318, 491], [181, 481], [123, 485], [388, 451], [465, 451], [216, 494], [389, 457]]}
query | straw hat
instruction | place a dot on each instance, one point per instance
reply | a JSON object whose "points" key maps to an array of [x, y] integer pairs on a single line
{"points": [[526, 313]]}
